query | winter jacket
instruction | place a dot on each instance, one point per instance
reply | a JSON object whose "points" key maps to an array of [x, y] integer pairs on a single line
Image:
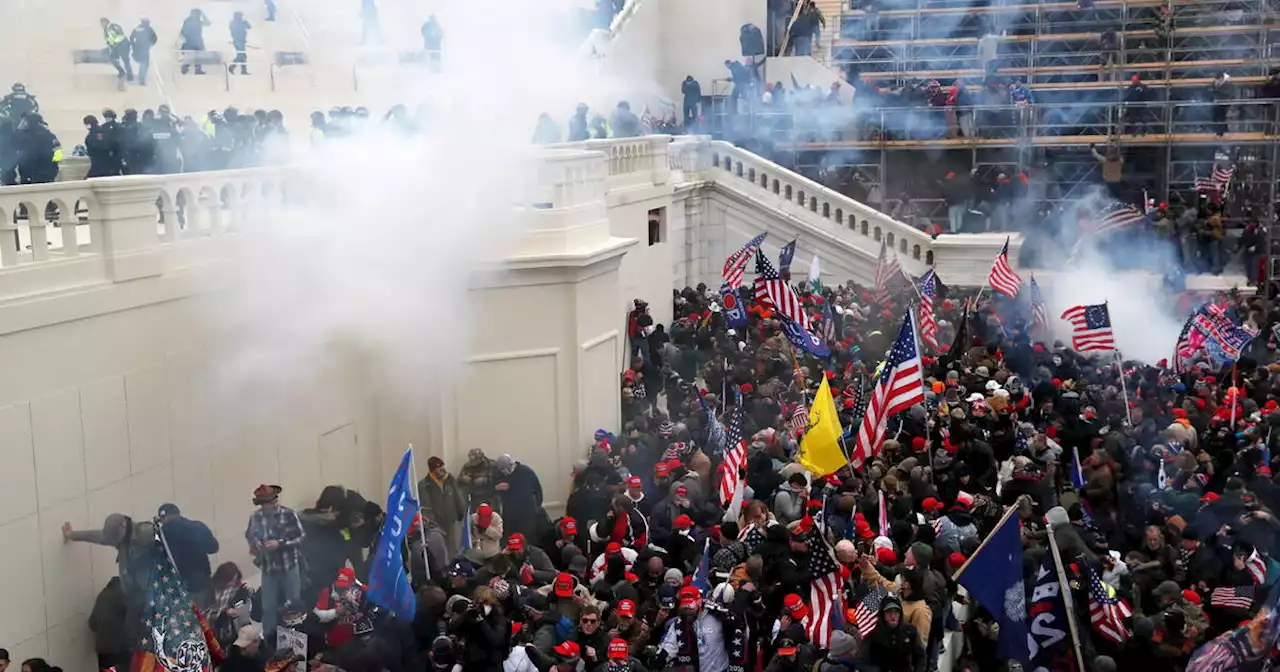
{"points": [[107, 622], [788, 504], [327, 547], [486, 642], [895, 650], [191, 543], [443, 499], [521, 501], [486, 541]]}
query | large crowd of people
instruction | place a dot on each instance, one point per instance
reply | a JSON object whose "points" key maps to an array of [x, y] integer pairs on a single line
{"points": [[1158, 482]]}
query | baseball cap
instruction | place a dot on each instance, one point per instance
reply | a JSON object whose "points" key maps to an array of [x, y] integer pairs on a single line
{"points": [[787, 646], [795, 606], [613, 548], [626, 608], [515, 542], [346, 578], [563, 585], [666, 596], [683, 522], [690, 596], [619, 650], [661, 470], [635, 482], [682, 491], [568, 525], [567, 652], [484, 515], [168, 510]]}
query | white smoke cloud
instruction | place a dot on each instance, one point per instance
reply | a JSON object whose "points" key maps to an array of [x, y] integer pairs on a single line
{"points": [[374, 255], [1138, 301]]}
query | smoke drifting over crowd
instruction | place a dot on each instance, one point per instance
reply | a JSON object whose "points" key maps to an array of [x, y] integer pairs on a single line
{"points": [[374, 248]]}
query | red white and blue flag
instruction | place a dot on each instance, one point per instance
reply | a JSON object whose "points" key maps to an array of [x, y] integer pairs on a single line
{"points": [[899, 387], [929, 321], [1090, 327], [735, 457], [735, 265], [773, 292], [1002, 277], [1039, 310]]}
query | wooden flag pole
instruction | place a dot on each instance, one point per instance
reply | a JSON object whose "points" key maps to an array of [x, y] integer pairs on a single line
{"points": [[1009, 512], [1066, 598], [1124, 387]]}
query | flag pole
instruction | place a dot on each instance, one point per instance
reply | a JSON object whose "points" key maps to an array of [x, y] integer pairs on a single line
{"points": [[1008, 512], [1124, 387], [1066, 597], [422, 527], [1235, 396]]}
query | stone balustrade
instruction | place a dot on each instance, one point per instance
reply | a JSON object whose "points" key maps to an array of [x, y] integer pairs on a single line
{"points": [[838, 215], [118, 228]]}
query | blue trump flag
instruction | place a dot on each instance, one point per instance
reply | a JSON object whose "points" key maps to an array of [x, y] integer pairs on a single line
{"points": [[702, 576], [994, 577], [1077, 474], [735, 312], [803, 339], [389, 586]]}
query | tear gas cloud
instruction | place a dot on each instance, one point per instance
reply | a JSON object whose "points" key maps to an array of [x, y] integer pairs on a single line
{"points": [[373, 253], [1145, 328]]}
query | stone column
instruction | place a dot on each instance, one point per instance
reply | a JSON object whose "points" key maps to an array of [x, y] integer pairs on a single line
{"points": [[127, 214]]}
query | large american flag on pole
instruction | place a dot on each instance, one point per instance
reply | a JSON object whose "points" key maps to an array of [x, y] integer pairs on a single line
{"points": [[929, 321], [889, 274], [735, 457], [1107, 610], [899, 387], [774, 292], [1115, 217], [1002, 277], [824, 590], [735, 265], [1090, 327], [1218, 179]]}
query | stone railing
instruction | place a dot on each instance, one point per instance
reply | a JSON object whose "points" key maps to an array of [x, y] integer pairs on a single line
{"points": [[116, 228], [631, 162], [836, 214]]}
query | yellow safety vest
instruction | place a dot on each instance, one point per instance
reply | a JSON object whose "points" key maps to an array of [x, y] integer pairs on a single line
{"points": [[114, 38], [57, 155]]}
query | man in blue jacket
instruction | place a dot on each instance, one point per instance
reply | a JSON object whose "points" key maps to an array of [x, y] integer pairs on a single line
{"points": [[191, 543]]}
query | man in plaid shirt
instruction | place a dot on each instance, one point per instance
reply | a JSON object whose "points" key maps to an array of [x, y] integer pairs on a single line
{"points": [[275, 537]]}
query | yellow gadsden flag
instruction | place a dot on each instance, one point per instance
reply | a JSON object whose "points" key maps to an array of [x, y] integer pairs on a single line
{"points": [[820, 448]]}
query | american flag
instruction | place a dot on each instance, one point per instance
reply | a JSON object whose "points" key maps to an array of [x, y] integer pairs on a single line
{"points": [[1115, 217], [174, 637], [889, 274], [1039, 311], [1090, 327], [799, 418], [899, 387], [867, 612], [830, 332], [824, 591], [1218, 179], [1257, 567], [1002, 277], [774, 292], [1226, 652], [1232, 597], [735, 457], [928, 321], [1107, 610], [735, 265]]}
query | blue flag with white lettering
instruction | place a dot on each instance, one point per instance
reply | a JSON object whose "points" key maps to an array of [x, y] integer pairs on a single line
{"points": [[735, 311], [802, 338], [389, 586]]}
